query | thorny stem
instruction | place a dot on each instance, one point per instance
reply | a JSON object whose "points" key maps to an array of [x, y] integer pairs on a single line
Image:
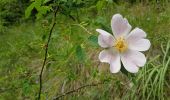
{"points": [[77, 89], [46, 53]]}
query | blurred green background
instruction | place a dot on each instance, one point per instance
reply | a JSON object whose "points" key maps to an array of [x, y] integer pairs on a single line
{"points": [[73, 51]]}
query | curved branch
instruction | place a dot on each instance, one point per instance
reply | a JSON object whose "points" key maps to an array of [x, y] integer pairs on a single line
{"points": [[75, 90], [46, 52]]}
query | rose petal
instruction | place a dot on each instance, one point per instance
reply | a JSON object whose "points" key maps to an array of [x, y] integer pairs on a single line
{"points": [[112, 57], [115, 64], [136, 34], [120, 26], [139, 45], [106, 55], [105, 39], [128, 63], [136, 57]]}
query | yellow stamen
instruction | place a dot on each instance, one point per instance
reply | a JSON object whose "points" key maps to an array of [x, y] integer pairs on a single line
{"points": [[120, 44]]}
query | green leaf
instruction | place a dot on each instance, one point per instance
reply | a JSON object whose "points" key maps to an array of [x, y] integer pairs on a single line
{"points": [[45, 9], [109, 1], [94, 73], [42, 10], [29, 9], [45, 1], [80, 53], [102, 22], [39, 15], [93, 40], [63, 0], [26, 87], [100, 5], [38, 3]]}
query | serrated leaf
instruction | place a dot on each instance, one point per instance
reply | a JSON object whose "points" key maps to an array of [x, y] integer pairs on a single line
{"points": [[41, 9], [110, 1], [45, 1], [39, 15], [29, 10], [38, 2], [100, 5], [93, 40], [102, 22], [26, 87], [80, 53], [63, 0]]}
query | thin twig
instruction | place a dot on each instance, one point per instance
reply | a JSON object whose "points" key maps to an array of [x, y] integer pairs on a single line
{"points": [[46, 53], [81, 26], [76, 90]]}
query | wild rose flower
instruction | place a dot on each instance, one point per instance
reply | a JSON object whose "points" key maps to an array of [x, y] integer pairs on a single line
{"points": [[123, 46]]}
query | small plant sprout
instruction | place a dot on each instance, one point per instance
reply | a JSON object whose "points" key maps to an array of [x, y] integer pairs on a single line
{"points": [[123, 46]]}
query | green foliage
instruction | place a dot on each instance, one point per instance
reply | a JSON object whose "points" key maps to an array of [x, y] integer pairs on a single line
{"points": [[38, 5], [102, 22], [80, 53], [12, 10], [67, 7], [93, 40], [73, 53]]}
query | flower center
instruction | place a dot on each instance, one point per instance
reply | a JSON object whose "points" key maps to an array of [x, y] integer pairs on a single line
{"points": [[120, 44]]}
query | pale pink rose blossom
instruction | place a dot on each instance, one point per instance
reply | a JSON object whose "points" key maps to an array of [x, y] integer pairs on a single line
{"points": [[123, 46]]}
